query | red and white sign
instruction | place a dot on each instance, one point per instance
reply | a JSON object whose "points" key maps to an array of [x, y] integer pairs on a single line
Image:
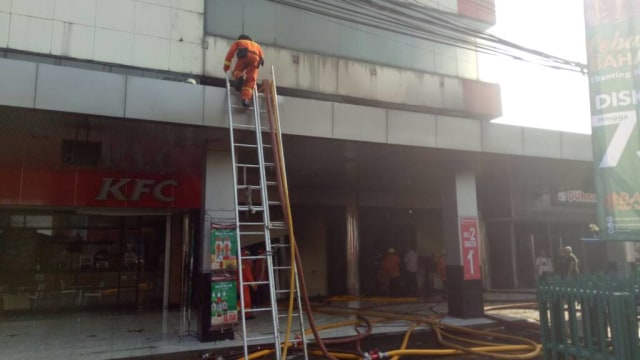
{"points": [[470, 242], [98, 189]]}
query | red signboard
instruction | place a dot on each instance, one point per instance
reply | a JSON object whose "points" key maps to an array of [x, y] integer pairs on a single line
{"points": [[98, 189], [470, 242]]}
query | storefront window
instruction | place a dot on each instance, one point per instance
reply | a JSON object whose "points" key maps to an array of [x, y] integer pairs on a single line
{"points": [[79, 261]]}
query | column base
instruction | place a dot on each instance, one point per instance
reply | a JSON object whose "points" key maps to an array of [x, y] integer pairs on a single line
{"points": [[464, 297]]}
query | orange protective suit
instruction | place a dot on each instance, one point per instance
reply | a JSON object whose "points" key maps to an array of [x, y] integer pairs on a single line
{"points": [[247, 65], [247, 276]]}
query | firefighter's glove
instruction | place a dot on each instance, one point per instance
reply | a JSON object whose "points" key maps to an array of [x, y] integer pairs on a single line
{"points": [[261, 63], [226, 67]]}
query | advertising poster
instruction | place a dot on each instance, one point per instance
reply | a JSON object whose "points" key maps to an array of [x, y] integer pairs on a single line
{"points": [[613, 58], [470, 247], [224, 248], [224, 302]]}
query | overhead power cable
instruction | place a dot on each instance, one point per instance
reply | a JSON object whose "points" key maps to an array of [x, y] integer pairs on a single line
{"points": [[418, 21]]}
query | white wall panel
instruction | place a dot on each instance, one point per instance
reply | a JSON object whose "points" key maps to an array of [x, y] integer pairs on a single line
{"points": [[576, 146], [448, 5], [359, 123], [430, 90], [452, 92], [186, 57], [30, 33], [151, 52], [503, 139], [386, 85], [82, 91], [312, 72], [113, 46], [458, 133], [5, 6], [467, 63], [75, 11], [5, 19], [115, 14], [18, 85], [305, 117], [160, 100], [165, 3], [355, 79], [214, 56], [187, 26], [72, 40], [215, 107], [410, 128], [37, 8], [446, 60], [542, 143], [189, 5], [152, 20]]}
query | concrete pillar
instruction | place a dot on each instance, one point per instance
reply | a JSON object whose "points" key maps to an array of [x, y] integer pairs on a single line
{"points": [[462, 243], [353, 248], [352, 221], [219, 204]]}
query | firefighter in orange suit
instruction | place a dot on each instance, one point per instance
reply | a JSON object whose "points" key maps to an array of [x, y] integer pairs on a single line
{"points": [[249, 58], [247, 276]]}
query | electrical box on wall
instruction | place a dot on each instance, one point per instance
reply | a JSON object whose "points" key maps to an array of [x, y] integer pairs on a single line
{"points": [[81, 153]]}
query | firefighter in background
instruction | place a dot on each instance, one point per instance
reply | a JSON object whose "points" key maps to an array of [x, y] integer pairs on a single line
{"points": [[249, 58], [391, 269], [247, 276]]}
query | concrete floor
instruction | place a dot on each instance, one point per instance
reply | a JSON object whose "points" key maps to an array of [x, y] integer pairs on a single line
{"points": [[114, 335]]}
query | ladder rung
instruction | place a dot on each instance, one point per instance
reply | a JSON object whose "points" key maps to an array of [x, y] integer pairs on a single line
{"points": [[286, 315], [250, 208], [274, 203], [255, 165], [253, 257], [251, 232], [260, 309], [254, 282], [251, 223], [280, 245], [250, 187], [283, 291], [271, 183], [251, 145], [260, 338], [278, 224], [281, 267], [243, 126]]}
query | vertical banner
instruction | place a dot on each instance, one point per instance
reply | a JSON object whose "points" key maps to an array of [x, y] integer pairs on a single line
{"points": [[470, 247], [224, 268], [613, 55]]}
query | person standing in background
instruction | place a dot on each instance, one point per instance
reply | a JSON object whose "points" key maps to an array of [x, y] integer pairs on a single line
{"points": [[544, 266], [391, 269], [411, 269]]}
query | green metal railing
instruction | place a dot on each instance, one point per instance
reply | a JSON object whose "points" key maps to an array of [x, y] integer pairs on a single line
{"points": [[589, 317]]}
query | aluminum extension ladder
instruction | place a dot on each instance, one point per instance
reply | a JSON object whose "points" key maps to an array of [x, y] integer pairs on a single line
{"points": [[261, 214]]}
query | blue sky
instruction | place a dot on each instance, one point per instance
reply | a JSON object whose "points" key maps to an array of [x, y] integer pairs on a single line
{"points": [[533, 95]]}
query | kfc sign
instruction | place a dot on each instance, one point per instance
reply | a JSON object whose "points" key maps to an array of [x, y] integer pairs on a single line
{"points": [[76, 188], [113, 188]]}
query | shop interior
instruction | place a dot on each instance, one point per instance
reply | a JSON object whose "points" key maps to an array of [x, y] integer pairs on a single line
{"points": [[55, 261]]}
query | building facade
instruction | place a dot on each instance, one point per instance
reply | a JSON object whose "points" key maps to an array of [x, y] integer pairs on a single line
{"points": [[113, 167]]}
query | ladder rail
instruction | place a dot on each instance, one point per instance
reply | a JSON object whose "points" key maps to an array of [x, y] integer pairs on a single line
{"points": [[237, 220]]}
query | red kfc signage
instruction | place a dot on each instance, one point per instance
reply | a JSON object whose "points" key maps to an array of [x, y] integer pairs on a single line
{"points": [[470, 242], [98, 189]]}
